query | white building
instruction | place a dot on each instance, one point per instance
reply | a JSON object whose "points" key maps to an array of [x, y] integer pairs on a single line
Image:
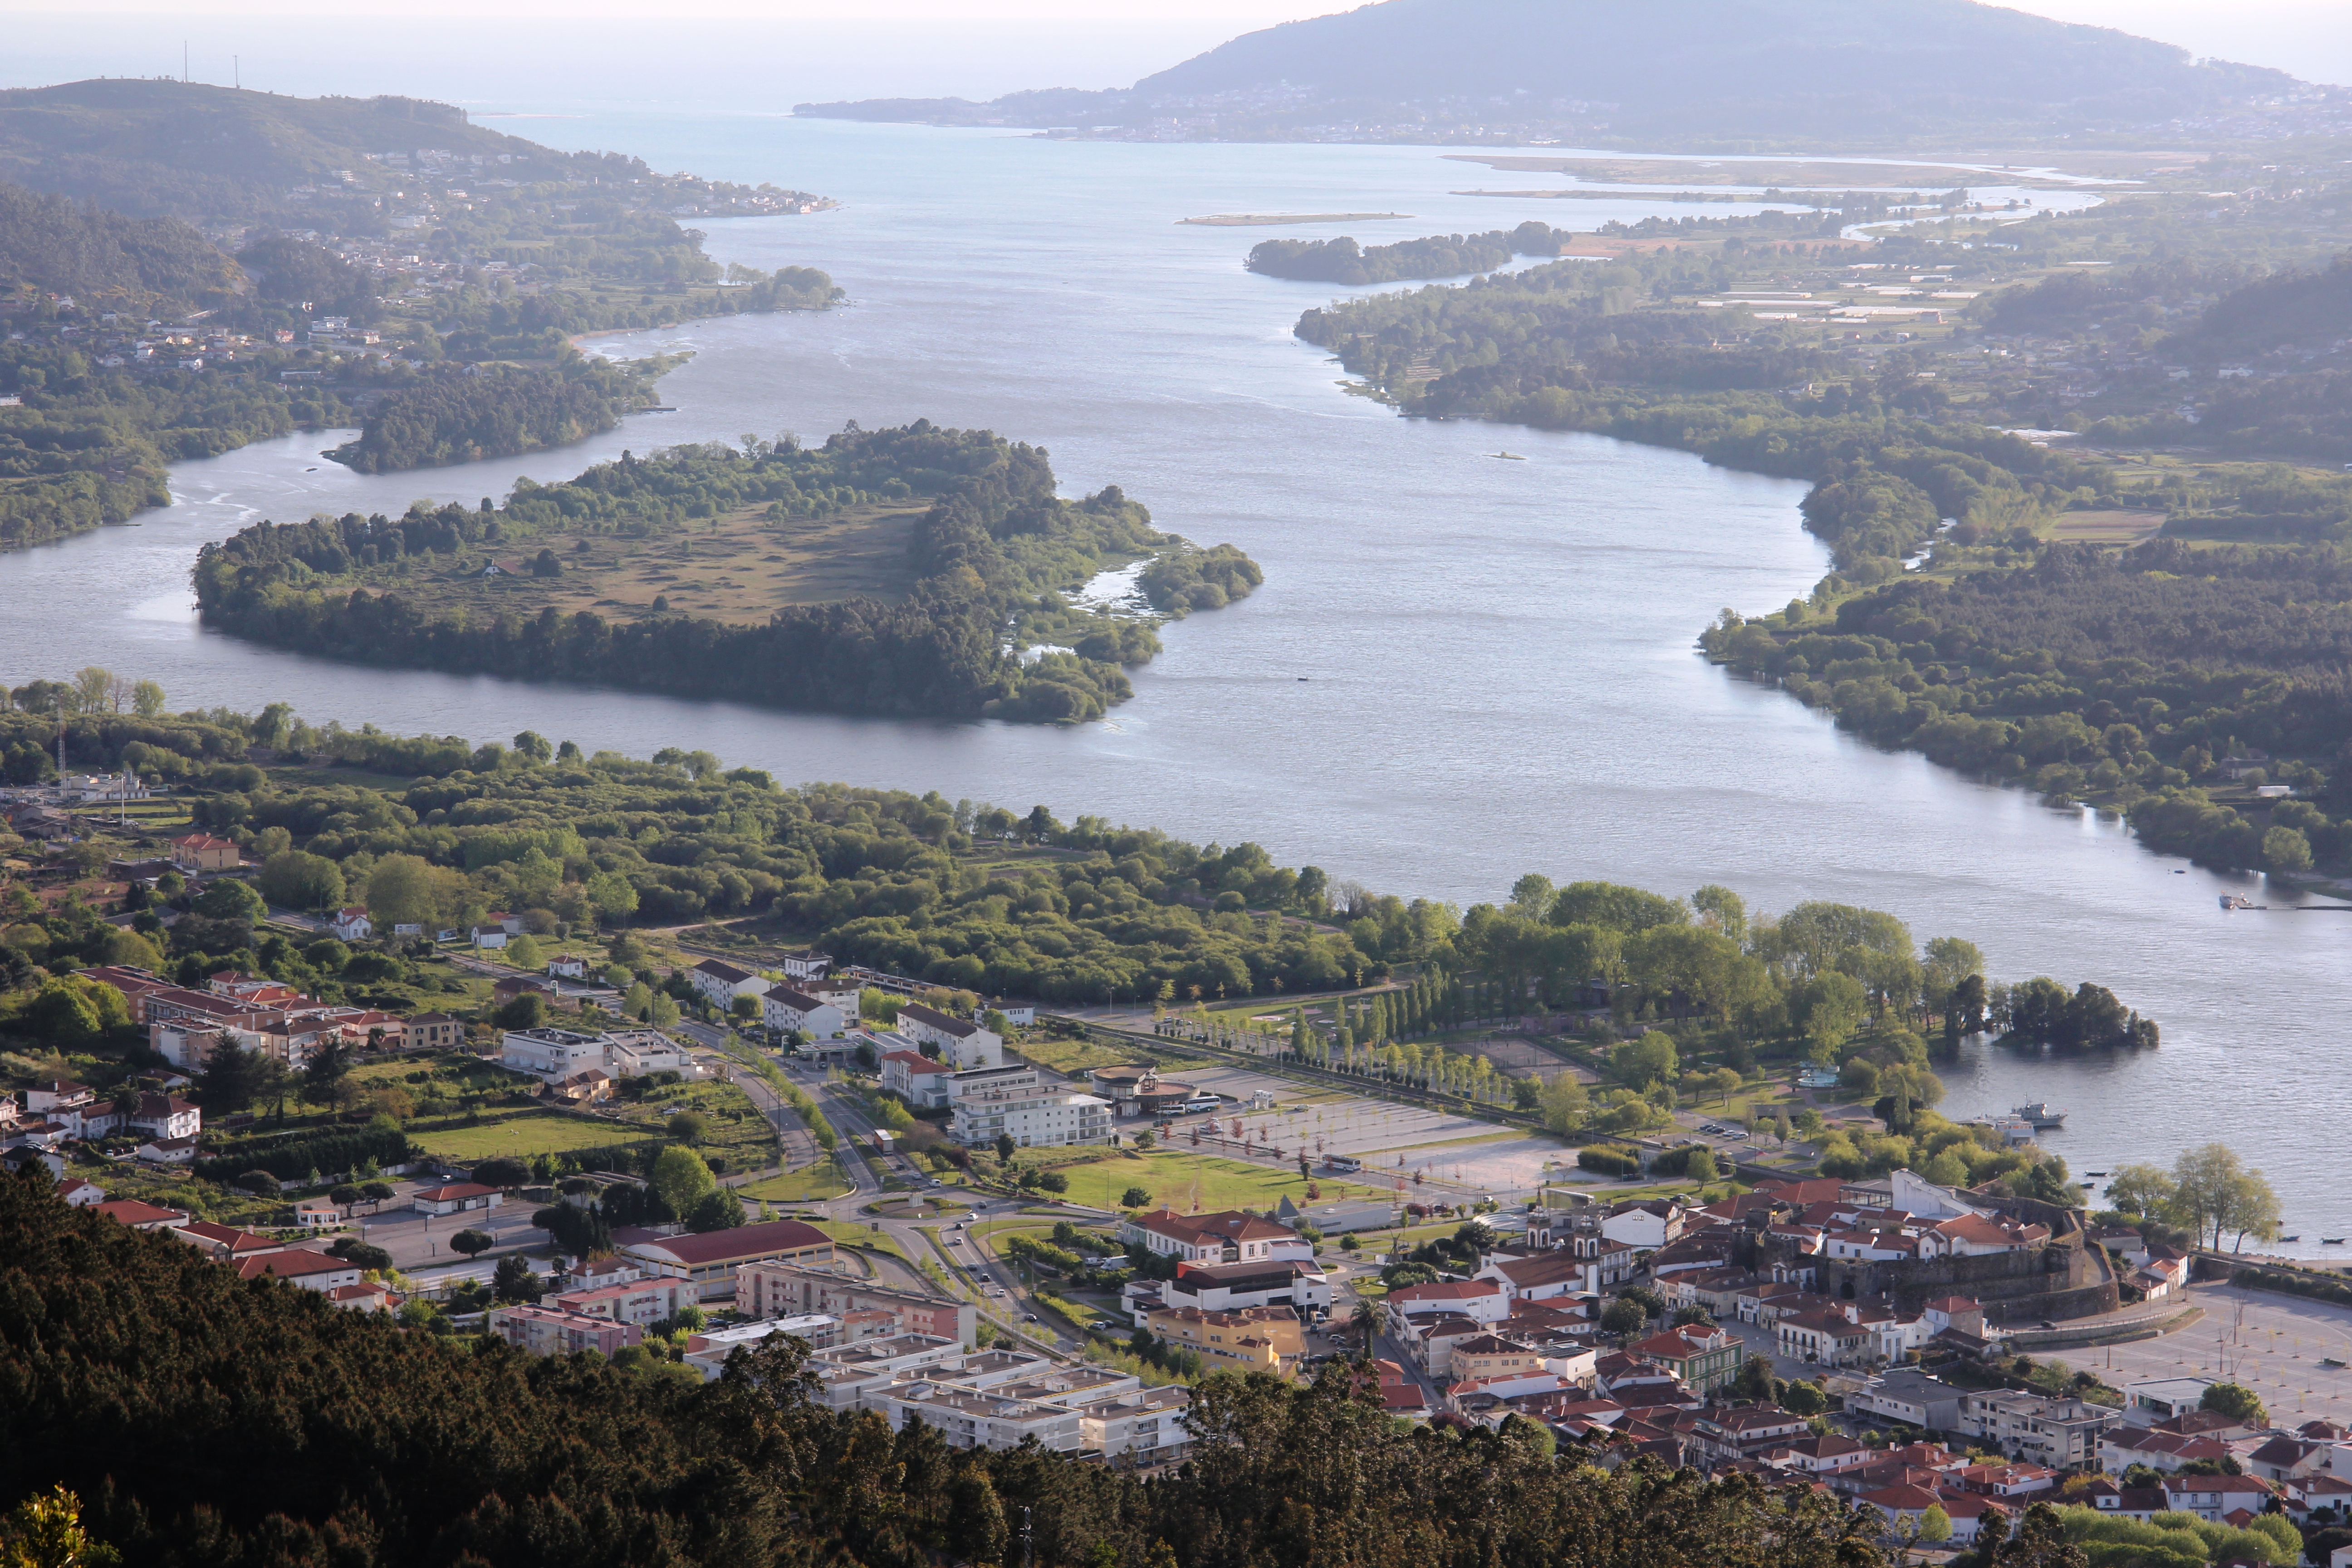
{"points": [[963, 1044], [806, 965], [550, 1053], [1148, 1425], [783, 1010], [1041, 1119], [352, 924], [915, 1078], [981, 1083], [718, 983]]}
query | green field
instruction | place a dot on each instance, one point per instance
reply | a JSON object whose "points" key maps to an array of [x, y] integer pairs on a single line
{"points": [[809, 1183], [531, 1132], [1174, 1177], [1075, 1056]]}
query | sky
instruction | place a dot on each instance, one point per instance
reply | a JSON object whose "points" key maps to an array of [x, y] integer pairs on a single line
{"points": [[741, 51]]}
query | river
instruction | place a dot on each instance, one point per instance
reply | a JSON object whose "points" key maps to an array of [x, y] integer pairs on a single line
{"points": [[1459, 669]]}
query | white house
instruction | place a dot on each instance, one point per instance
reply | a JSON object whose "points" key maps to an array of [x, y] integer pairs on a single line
{"points": [[459, 1197], [352, 924], [718, 983], [783, 1010], [490, 938], [915, 1078], [550, 1053], [569, 967], [806, 965], [1649, 1225], [963, 1044], [632, 1053]]}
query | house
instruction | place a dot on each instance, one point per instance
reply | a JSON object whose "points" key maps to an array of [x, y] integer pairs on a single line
{"points": [[139, 1216], [2215, 1498], [167, 1151], [367, 1296], [1825, 1455], [568, 966], [550, 1053], [352, 924], [2284, 1459], [2124, 1445], [640, 1302], [1702, 1356], [166, 1116], [295, 1265], [962, 1043], [77, 1194], [1230, 1235], [709, 1262], [226, 1242], [460, 1197], [318, 1214], [1483, 1300], [2063, 1434], [915, 1078], [589, 1086], [1823, 1336], [718, 983], [777, 1289], [785, 1010], [1146, 1427], [1648, 1225], [1910, 1397], [201, 852], [1542, 1277], [1225, 1286], [805, 965], [1730, 1432], [490, 939], [1039, 1117], [434, 1031], [1252, 1339]]}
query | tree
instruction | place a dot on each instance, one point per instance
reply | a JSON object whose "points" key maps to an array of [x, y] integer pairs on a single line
{"points": [[718, 1209], [1054, 1181], [2237, 1402], [2040, 1543], [688, 1127], [1935, 1525], [147, 700], [2144, 1192], [1566, 1106], [744, 1009], [1624, 1316], [2213, 1192], [301, 882], [1829, 1008], [524, 953], [226, 899], [1702, 1166], [1004, 1144], [1650, 1059], [45, 1532], [1694, 1313], [527, 1011], [1531, 896], [514, 1280], [1135, 1198], [328, 1073], [531, 742], [231, 1078], [502, 1171], [681, 1177], [1721, 909], [402, 890]]}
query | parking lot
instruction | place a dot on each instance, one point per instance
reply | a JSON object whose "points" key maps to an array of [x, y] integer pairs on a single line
{"points": [[2273, 1344]]}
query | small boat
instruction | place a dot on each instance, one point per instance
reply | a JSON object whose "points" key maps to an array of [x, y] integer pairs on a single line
{"points": [[2290, 1238], [2331, 1360], [2041, 1115], [2331, 1241], [2233, 901], [2094, 1172], [2086, 1186], [1510, 457]]}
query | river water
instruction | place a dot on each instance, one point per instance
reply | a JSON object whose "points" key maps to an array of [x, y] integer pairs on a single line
{"points": [[1459, 669]]}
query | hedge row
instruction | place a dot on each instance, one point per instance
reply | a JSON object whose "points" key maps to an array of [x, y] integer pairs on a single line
{"points": [[2316, 1286], [1608, 1161], [1676, 1161], [327, 1152]]}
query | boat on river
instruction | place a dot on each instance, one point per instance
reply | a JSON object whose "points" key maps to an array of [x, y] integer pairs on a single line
{"points": [[2041, 1115], [1510, 457], [2237, 901]]}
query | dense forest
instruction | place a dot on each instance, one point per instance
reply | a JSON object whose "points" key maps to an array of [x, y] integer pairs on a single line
{"points": [[2125, 680], [1341, 260], [201, 1422], [995, 538], [469, 413], [105, 260]]}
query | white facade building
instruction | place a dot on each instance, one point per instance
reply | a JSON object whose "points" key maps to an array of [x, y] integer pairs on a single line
{"points": [[963, 1044], [783, 1010], [1041, 1119]]}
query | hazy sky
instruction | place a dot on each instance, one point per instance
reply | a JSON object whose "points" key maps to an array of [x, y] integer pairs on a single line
{"points": [[829, 48]]}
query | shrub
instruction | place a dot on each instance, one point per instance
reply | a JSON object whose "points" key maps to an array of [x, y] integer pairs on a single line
{"points": [[1608, 1161]]}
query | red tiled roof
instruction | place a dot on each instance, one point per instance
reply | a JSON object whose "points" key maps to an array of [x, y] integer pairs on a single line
{"points": [[746, 1241], [292, 1265]]}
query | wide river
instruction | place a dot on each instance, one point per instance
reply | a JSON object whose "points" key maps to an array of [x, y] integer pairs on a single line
{"points": [[1459, 669]]}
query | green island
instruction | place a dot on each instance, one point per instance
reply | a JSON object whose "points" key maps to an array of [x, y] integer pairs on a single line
{"points": [[1341, 260], [2081, 475], [876, 574], [184, 269]]}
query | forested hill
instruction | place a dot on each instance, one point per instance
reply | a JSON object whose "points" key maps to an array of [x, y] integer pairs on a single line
{"points": [[107, 261], [1789, 72]]}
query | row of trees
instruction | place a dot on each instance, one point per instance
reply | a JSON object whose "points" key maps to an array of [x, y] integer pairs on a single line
{"points": [[2209, 1191]]}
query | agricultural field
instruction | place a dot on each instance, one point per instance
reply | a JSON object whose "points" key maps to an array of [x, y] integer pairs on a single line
{"points": [[736, 569]]}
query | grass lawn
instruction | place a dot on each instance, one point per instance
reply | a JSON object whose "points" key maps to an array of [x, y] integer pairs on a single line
{"points": [[851, 1233], [808, 1184], [1076, 1056], [529, 1132], [1172, 1177]]}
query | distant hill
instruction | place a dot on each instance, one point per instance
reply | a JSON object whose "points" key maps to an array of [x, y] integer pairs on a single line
{"points": [[206, 153], [105, 260], [2287, 309], [1775, 71]]}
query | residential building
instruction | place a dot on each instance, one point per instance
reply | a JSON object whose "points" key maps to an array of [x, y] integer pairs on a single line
{"points": [[707, 1350], [167, 1151], [640, 1302], [1229, 1235], [1011, 1081], [551, 1331], [2157, 1398], [1482, 1299], [963, 1044], [457, 1197], [1546, 1276], [1041, 1119], [709, 1261], [201, 852], [847, 1372], [1704, 1357], [971, 1418], [226, 1242], [2063, 1434], [805, 965], [1730, 1432], [784, 1010], [916, 1079], [1254, 1338], [1145, 1428], [352, 924], [1911, 1398], [550, 1053], [141, 1217], [299, 1266], [166, 1116], [1648, 1225], [718, 983], [778, 1289], [76, 1193], [434, 1031]]}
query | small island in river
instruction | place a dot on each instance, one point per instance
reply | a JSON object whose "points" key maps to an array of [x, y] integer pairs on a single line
{"points": [[1263, 220], [914, 571]]}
